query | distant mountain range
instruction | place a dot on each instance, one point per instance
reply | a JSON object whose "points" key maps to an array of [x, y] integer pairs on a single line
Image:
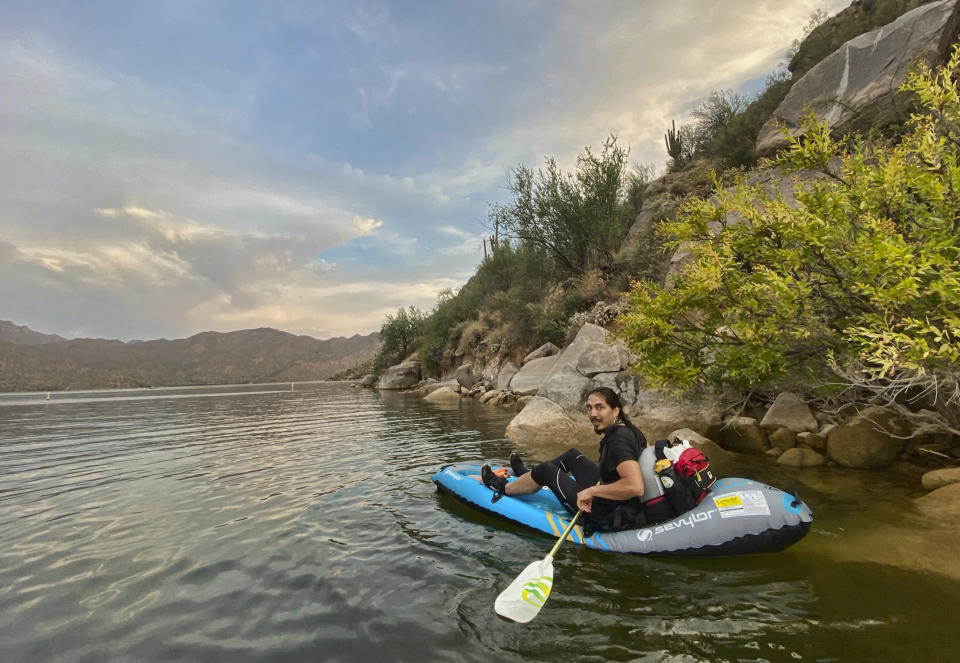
{"points": [[31, 361]]}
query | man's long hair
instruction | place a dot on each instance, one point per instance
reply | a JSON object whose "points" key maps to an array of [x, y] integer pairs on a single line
{"points": [[612, 399]]}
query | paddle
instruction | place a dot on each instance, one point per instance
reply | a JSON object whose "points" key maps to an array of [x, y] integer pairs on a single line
{"points": [[522, 600]]}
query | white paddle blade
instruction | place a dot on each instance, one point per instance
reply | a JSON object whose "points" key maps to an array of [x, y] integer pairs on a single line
{"points": [[522, 600]]}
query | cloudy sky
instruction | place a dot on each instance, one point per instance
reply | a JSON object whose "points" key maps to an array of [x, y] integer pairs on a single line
{"points": [[179, 166]]}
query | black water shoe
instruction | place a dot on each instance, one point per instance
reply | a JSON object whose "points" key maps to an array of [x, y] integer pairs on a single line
{"points": [[519, 469], [495, 483]]}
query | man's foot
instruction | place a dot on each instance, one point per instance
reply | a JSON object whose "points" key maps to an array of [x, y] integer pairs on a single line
{"points": [[494, 482], [519, 469]]}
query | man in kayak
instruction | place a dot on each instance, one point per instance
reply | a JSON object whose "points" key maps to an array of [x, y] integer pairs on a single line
{"points": [[609, 493]]}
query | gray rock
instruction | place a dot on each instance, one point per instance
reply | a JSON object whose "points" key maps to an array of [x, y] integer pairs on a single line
{"points": [[491, 370], [523, 400], [657, 417], [587, 335], [872, 440], [368, 380], [566, 387], [789, 411], [443, 394], [541, 421], [545, 350], [815, 441], [598, 358], [940, 478], [507, 371], [401, 376], [623, 383], [782, 439], [856, 86], [464, 375], [744, 435], [801, 457], [528, 379]]}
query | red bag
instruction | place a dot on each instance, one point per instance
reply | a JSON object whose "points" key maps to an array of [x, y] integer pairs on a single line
{"points": [[694, 465]]}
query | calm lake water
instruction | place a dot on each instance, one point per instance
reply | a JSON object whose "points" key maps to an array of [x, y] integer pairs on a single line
{"points": [[258, 524]]}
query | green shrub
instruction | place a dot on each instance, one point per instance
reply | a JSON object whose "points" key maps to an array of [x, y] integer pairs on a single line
{"points": [[861, 277]]}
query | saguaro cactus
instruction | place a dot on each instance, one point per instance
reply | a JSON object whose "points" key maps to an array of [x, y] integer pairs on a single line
{"points": [[674, 142]]}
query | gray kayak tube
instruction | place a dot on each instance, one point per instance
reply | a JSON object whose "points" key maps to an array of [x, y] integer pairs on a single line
{"points": [[736, 517]]}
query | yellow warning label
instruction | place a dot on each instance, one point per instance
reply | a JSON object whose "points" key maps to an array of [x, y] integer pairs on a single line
{"points": [[728, 500]]}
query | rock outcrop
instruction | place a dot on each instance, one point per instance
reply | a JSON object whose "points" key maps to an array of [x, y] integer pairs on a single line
{"points": [[856, 86], [541, 421], [401, 376], [531, 375]]}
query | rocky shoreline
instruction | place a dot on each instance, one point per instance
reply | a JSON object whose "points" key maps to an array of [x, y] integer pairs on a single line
{"points": [[547, 389]]}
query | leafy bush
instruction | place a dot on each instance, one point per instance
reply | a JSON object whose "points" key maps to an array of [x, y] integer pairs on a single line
{"points": [[577, 220], [861, 276], [399, 335]]}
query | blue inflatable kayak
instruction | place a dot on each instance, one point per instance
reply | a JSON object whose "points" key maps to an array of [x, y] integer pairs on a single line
{"points": [[737, 516]]}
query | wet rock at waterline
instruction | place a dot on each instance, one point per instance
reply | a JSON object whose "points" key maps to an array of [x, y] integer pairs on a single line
{"points": [[942, 504], [801, 457], [940, 478], [744, 435], [401, 376], [871, 440]]}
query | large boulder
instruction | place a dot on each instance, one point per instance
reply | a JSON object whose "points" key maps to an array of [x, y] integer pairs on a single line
{"points": [[541, 420], [856, 86], [545, 350], [657, 417], [587, 335], [507, 371], [491, 370], [623, 383], [565, 384], [871, 440], [464, 375], [566, 387], [443, 394], [942, 504], [369, 380], [528, 379], [789, 411], [744, 435], [940, 478], [599, 358], [401, 376]]}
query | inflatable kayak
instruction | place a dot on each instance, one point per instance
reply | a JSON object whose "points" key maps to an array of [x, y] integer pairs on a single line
{"points": [[738, 516]]}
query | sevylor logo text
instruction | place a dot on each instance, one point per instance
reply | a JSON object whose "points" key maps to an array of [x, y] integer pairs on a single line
{"points": [[690, 520]]}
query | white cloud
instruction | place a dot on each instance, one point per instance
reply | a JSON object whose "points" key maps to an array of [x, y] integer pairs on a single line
{"points": [[151, 202]]}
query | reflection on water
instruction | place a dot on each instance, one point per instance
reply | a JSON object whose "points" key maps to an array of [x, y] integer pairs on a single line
{"points": [[256, 523]]}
